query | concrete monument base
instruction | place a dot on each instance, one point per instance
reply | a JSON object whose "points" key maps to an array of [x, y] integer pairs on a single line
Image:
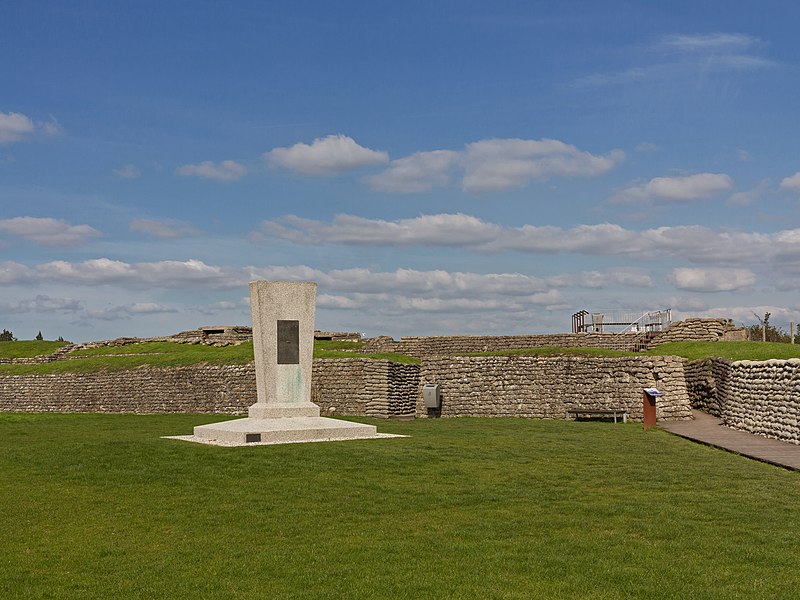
{"points": [[283, 430], [262, 410]]}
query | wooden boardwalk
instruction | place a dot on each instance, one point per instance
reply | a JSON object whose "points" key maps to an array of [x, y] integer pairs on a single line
{"points": [[710, 430]]}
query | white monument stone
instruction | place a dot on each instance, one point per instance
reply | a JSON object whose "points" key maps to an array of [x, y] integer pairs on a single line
{"points": [[283, 346]]}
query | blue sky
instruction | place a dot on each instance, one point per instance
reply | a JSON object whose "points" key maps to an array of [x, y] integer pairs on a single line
{"points": [[437, 167]]}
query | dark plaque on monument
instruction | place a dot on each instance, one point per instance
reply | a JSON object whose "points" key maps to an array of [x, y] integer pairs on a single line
{"points": [[288, 342]]}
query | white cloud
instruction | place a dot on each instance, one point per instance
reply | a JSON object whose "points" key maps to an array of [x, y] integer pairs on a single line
{"points": [[419, 172], [484, 166], [335, 302], [791, 183], [41, 304], [326, 156], [693, 243], [162, 229], [712, 279], [190, 274], [628, 276], [227, 170], [646, 147], [51, 127], [708, 42], [48, 231], [680, 58], [750, 196], [466, 304], [127, 172], [439, 230], [677, 189], [15, 126], [130, 310], [499, 164]]}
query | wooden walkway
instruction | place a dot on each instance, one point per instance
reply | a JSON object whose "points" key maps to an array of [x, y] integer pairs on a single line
{"points": [[710, 430]]}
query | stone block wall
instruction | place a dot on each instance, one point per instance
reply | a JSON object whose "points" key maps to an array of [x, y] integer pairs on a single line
{"points": [[546, 387], [195, 389], [349, 387], [462, 344], [520, 386], [761, 397], [363, 387], [701, 385], [695, 329]]}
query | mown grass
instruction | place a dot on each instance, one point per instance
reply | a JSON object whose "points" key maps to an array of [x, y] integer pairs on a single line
{"points": [[97, 506], [728, 350], [28, 348], [688, 350], [170, 354]]}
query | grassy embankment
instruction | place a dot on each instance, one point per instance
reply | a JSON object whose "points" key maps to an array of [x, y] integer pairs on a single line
{"points": [[688, 350], [97, 506], [168, 354], [159, 354]]}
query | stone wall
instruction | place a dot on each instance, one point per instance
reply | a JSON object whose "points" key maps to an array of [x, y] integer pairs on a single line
{"points": [[694, 329], [761, 397], [196, 389], [352, 387], [701, 385], [364, 387], [546, 387], [449, 345], [708, 330], [523, 386]]}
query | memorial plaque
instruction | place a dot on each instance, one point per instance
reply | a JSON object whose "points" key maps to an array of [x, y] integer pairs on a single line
{"points": [[288, 342]]}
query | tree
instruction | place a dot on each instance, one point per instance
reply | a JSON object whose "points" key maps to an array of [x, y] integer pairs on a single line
{"points": [[763, 331], [7, 336], [39, 336]]}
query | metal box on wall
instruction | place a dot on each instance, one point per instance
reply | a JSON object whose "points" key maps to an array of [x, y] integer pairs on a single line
{"points": [[431, 395]]}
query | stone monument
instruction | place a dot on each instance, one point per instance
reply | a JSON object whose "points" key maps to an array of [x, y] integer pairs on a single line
{"points": [[283, 346]]}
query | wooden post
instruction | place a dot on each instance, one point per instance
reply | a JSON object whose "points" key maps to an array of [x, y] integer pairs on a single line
{"points": [[791, 330], [763, 331]]}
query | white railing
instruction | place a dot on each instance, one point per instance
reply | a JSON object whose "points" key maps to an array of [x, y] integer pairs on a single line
{"points": [[618, 321]]}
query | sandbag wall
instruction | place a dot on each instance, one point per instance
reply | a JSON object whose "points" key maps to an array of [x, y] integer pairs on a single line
{"points": [[761, 397], [351, 387], [423, 346], [546, 387]]}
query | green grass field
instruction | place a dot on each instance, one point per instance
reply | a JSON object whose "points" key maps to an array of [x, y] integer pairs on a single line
{"points": [[160, 354], [169, 354], [28, 348], [729, 350], [97, 506]]}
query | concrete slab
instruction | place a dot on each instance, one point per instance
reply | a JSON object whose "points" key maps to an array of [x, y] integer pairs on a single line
{"points": [[285, 430]]}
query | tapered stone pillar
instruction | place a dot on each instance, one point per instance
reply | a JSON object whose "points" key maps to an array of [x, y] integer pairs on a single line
{"points": [[283, 347]]}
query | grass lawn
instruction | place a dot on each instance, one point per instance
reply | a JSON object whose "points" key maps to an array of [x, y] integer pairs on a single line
{"points": [[97, 506], [729, 350], [28, 348], [166, 354], [170, 354]]}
